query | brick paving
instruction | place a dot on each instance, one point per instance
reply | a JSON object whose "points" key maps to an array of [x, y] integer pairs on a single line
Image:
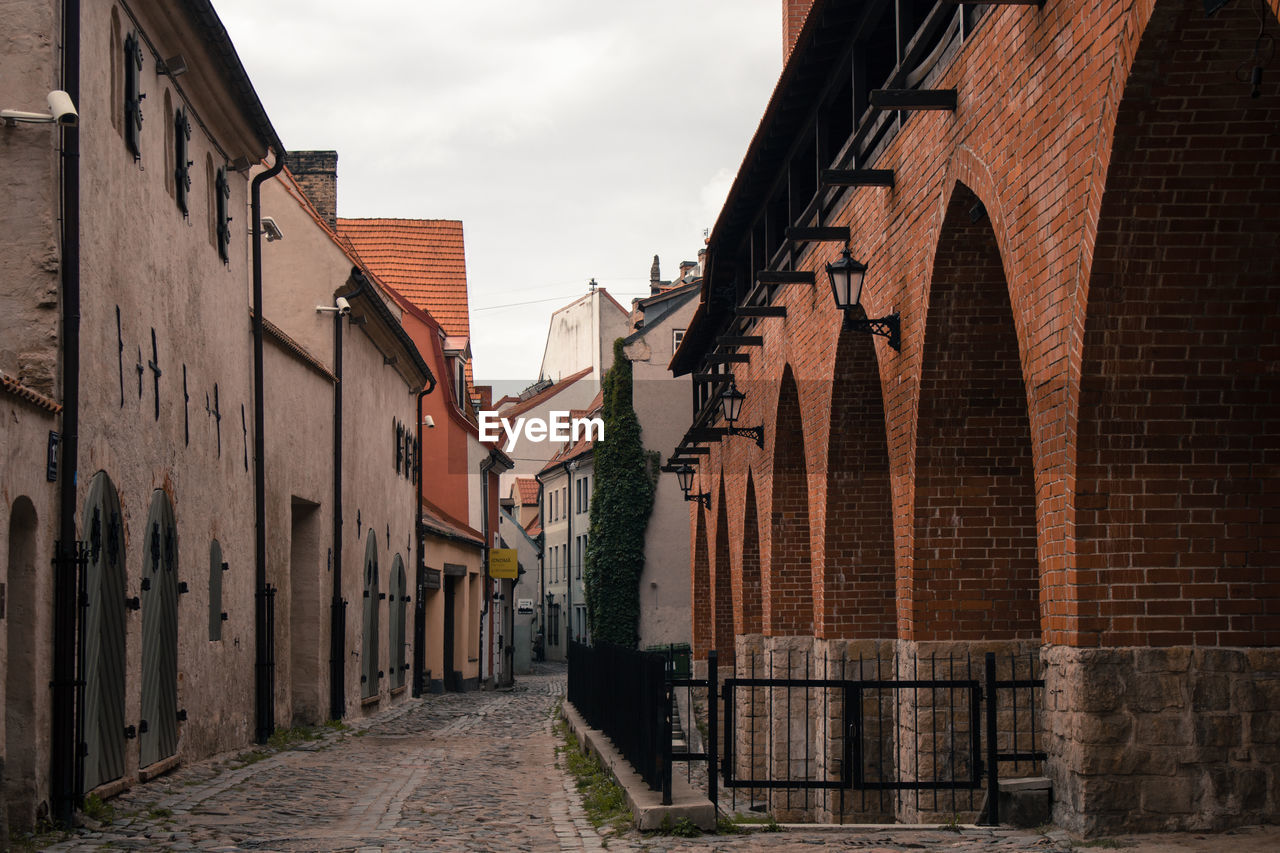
{"points": [[460, 772]]}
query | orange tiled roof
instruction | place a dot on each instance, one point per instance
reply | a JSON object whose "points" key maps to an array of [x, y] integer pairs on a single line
{"points": [[528, 490], [423, 259]]}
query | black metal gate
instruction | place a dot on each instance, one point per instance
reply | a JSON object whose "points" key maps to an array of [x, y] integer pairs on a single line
{"points": [[883, 734]]}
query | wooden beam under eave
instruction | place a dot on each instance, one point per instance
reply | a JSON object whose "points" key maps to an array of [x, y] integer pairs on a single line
{"points": [[712, 377], [740, 341], [856, 177], [695, 451], [818, 234], [784, 277], [913, 99], [727, 358], [762, 310], [701, 434], [996, 2]]}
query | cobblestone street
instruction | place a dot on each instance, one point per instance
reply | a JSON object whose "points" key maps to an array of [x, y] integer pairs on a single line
{"points": [[473, 772]]}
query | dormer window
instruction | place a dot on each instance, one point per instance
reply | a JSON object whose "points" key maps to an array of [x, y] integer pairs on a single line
{"points": [[133, 95]]}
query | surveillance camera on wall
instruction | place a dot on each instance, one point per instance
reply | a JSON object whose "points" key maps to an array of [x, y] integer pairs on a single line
{"points": [[429, 422], [61, 111], [341, 307]]}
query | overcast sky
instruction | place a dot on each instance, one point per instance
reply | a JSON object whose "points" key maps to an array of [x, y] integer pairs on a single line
{"points": [[573, 139]]}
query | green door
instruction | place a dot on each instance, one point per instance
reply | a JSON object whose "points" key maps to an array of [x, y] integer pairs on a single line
{"points": [[158, 729], [103, 726]]}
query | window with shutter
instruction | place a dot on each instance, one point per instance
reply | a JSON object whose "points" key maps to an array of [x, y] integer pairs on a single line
{"points": [[222, 198], [182, 166], [133, 95]]}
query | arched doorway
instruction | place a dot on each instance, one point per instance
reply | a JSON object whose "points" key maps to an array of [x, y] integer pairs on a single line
{"points": [[788, 605], [103, 723], [749, 588], [701, 578], [369, 673], [858, 584], [722, 612], [1177, 486], [395, 627], [975, 568], [158, 729], [20, 678]]}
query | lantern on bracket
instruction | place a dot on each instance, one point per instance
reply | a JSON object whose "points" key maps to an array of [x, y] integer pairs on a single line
{"points": [[847, 276]]}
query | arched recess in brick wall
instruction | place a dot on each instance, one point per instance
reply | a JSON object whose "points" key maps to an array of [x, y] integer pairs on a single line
{"points": [[975, 570], [748, 587], [858, 577], [788, 605], [722, 632], [1177, 499], [701, 578]]}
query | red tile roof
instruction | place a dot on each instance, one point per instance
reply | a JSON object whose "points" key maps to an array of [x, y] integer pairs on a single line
{"points": [[528, 490], [424, 259]]}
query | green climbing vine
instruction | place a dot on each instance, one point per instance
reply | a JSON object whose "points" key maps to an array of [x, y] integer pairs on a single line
{"points": [[622, 499]]}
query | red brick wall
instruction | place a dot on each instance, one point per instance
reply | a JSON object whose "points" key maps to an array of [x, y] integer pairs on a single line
{"points": [[975, 574], [789, 588], [701, 577], [857, 578], [793, 14], [722, 633], [1178, 489], [1039, 136], [747, 599]]}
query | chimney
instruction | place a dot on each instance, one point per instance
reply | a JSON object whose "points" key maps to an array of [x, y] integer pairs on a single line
{"points": [[655, 278], [794, 13], [317, 173]]}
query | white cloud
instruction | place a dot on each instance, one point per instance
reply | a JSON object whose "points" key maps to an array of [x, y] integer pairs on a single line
{"points": [[574, 139]]}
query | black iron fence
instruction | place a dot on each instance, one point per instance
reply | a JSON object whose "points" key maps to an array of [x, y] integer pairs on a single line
{"points": [[625, 694]]}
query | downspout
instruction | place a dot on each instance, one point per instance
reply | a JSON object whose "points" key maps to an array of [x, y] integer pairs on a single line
{"points": [[569, 562], [420, 541], [337, 607], [66, 770], [264, 670], [487, 585], [542, 570]]}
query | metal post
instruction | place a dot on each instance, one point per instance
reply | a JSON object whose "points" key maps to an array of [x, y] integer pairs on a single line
{"points": [[993, 755], [713, 726], [668, 691]]}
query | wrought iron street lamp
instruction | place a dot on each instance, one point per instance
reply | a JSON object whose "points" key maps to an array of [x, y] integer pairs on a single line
{"points": [[847, 276], [731, 406], [684, 474]]}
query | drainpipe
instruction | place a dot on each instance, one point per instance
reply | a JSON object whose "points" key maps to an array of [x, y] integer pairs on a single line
{"points": [[66, 770], [569, 467], [337, 607], [420, 541], [542, 570], [264, 642], [486, 585]]}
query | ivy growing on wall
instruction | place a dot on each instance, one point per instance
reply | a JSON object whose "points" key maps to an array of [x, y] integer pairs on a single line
{"points": [[621, 502]]}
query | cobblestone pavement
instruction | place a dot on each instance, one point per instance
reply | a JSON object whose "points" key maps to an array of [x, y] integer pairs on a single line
{"points": [[460, 772]]}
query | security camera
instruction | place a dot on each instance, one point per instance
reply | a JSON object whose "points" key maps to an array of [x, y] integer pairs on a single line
{"points": [[61, 111], [429, 422], [64, 112], [341, 307]]}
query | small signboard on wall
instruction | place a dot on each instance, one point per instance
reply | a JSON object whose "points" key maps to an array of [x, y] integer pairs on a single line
{"points": [[524, 606], [503, 564]]}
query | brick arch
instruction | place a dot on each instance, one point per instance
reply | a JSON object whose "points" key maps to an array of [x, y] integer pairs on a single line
{"points": [[788, 580], [722, 585], [1177, 496], [855, 595], [748, 587], [701, 592], [974, 570]]}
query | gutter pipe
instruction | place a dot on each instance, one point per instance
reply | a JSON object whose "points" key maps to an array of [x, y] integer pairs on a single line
{"points": [[420, 562], [67, 764], [337, 606], [264, 641]]}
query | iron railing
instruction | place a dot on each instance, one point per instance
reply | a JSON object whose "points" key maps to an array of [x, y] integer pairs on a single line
{"points": [[625, 694]]}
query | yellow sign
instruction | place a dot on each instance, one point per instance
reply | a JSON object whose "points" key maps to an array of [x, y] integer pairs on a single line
{"points": [[503, 564]]}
